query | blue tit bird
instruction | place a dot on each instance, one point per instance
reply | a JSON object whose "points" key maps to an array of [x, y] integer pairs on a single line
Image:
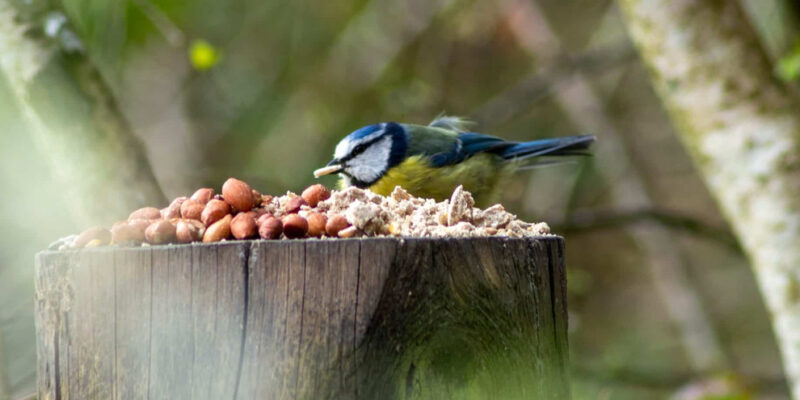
{"points": [[431, 161]]}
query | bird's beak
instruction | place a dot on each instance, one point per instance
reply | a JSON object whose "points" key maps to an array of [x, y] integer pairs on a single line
{"points": [[332, 168]]}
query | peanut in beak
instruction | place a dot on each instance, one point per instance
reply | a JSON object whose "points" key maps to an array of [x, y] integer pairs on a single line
{"points": [[331, 169]]}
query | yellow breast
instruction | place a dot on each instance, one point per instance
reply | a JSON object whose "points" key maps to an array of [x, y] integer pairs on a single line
{"points": [[481, 175]]}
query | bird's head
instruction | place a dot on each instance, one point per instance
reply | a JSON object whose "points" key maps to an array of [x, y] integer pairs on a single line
{"points": [[365, 155]]}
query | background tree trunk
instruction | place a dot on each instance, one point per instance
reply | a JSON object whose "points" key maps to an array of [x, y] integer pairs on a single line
{"points": [[742, 129], [74, 119]]}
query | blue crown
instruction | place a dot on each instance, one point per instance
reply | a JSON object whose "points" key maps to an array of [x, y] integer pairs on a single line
{"points": [[365, 131]]}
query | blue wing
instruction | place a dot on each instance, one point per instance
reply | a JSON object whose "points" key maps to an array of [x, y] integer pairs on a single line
{"points": [[471, 143], [467, 145]]}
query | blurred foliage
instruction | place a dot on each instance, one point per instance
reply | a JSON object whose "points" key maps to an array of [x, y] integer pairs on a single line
{"points": [[262, 90], [203, 55], [788, 66]]}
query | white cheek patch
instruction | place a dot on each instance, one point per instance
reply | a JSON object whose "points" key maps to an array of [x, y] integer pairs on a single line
{"points": [[371, 164]]}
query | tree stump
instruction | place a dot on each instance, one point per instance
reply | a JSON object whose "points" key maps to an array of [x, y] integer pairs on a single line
{"points": [[376, 318]]}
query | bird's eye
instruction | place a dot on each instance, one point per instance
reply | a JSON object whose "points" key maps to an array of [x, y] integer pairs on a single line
{"points": [[360, 148]]}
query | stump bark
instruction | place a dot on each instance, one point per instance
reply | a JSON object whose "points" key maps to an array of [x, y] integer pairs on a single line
{"points": [[378, 318]]}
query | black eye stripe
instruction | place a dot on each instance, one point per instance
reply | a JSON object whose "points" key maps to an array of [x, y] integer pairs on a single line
{"points": [[361, 148]]}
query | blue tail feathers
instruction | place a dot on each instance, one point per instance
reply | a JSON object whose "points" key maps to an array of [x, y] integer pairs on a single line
{"points": [[564, 146], [471, 143]]}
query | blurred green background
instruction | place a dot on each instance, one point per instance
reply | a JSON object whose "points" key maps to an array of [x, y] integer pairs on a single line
{"points": [[262, 90]]}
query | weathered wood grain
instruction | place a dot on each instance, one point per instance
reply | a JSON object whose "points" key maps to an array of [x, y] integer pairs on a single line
{"points": [[311, 319], [133, 272]]}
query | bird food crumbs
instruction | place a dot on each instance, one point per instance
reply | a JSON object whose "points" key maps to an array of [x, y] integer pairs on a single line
{"points": [[243, 213]]}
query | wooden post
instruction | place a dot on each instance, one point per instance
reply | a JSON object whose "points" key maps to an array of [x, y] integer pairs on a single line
{"points": [[378, 318]]}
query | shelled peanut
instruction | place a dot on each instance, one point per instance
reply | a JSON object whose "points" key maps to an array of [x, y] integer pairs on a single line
{"points": [[240, 212]]}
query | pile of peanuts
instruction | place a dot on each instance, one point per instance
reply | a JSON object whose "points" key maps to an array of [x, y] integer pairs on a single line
{"points": [[242, 213], [238, 213]]}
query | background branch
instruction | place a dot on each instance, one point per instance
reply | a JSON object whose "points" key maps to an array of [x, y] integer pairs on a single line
{"points": [[586, 221], [540, 84]]}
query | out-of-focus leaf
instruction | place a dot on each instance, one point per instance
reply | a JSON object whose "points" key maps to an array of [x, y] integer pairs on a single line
{"points": [[788, 67], [203, 55]]}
